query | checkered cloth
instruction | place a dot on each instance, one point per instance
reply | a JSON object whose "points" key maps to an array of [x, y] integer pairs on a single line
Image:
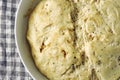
{"points": [[11, 67]]}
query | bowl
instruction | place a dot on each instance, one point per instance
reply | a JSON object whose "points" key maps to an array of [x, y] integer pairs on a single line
{"points": [[21, 41]]}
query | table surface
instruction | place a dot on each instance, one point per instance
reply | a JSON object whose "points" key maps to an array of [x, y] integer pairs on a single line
{"points": [[11, 67]]}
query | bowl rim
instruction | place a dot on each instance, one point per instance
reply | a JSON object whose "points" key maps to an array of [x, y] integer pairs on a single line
{"points": [[16, 40]]}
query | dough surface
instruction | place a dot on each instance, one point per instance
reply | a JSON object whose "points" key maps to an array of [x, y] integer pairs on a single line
{"points": [[76, 39]]}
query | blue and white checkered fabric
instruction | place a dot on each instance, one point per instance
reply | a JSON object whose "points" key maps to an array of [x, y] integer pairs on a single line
{"points": [[11, 67]]}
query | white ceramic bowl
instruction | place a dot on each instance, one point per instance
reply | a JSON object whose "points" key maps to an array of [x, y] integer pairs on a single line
{"points": [[21, 41]]}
